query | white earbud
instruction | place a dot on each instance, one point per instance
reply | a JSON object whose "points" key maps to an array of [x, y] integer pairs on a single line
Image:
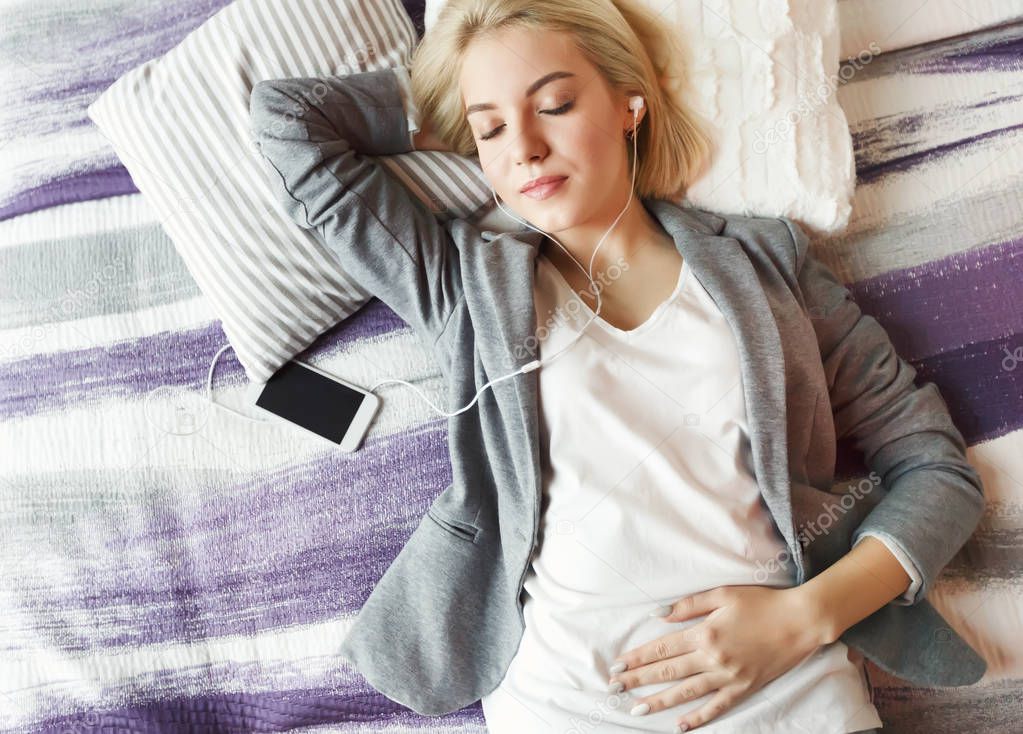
{"points": [[635, 104]]}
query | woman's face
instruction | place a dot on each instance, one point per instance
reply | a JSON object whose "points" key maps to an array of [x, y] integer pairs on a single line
{"points": [[572, 125]]}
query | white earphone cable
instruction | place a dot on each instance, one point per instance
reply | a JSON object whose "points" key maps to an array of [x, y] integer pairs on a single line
{"points": [[635, 104], [209, 390]]}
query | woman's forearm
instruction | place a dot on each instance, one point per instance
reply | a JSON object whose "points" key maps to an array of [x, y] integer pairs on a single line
{"points": [[854, 587], [320, 140]]}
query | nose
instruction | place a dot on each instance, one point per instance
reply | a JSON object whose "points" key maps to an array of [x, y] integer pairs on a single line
{"points": [[529, 146]]}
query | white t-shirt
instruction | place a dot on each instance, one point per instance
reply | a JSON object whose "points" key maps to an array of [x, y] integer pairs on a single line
{"points": [[649, 494]]}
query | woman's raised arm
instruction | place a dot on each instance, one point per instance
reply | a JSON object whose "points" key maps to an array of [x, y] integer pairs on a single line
{"points": [[315, 136]]}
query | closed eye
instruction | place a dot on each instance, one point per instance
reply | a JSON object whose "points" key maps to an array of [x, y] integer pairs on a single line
{"points": [[558, 111]]}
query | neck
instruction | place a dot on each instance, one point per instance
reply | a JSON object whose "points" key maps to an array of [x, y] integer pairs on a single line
{"points": [[636, 229]]}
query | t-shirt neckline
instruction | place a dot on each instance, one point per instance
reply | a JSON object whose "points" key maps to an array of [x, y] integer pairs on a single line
{"points": [[652, 319]]}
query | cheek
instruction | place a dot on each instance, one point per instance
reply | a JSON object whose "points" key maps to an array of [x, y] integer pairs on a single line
{"points": [[495, 179], [590, 148]]}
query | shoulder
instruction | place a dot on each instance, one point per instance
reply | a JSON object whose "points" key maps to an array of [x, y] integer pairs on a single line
{"points": [[776, 240]]}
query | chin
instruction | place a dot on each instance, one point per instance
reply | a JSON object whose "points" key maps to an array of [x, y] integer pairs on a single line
{"points": [[557, 216]]}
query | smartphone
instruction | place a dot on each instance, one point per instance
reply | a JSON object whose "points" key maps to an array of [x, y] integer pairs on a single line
{"points": [[317, 402]]}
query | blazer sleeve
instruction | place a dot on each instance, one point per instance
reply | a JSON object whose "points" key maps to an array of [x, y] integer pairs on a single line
{"points": [[934, 498], [316, 137]]}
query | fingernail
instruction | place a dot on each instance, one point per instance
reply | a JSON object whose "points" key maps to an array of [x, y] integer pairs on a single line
{"points": [[639, 709], [616, 687], [662, 611], [617, 667], [679, 728]]}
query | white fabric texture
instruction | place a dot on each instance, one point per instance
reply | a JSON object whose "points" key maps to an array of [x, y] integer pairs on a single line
{"points": [[763, 75], [649, 495]]}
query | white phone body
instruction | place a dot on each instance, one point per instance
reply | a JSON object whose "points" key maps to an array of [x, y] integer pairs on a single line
{"points": [[317, 402]]}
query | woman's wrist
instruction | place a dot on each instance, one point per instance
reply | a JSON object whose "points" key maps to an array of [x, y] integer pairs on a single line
{"points": [[852, 588], [424, 139], [819, 619], [815, 618]]}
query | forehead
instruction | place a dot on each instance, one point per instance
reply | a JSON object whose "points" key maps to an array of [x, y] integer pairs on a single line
{"points": [[500, 66]]}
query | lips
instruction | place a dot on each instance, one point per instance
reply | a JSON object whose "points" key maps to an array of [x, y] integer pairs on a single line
{"points": [[548, 186], [540, 182]]}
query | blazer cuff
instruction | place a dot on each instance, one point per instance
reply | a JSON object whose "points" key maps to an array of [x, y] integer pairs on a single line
{"points": [[908, 597], [411, 110]]}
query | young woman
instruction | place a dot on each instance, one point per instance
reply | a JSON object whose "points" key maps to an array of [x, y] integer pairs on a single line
{"points": [[647, 495]]}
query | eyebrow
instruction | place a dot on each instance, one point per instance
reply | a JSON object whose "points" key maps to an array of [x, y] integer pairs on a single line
{"points": [[533, 88]]}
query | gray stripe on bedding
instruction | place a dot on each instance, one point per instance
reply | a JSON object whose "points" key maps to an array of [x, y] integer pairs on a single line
{"points": [[910, 238], [69, 278]]}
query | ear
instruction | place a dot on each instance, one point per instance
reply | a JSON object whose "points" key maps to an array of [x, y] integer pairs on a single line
{"points": [[628, 113]]}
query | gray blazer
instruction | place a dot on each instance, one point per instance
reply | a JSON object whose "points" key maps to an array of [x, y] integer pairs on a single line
{"points": [[442, 625]]}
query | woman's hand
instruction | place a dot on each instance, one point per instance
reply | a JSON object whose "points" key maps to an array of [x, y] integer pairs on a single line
{"points": [[425, 139], [752, 635]]}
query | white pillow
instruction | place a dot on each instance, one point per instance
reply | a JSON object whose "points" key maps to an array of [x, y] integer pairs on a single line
{"points": [[764, 73], [180, 124]]}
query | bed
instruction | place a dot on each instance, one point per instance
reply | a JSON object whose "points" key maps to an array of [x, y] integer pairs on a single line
{"points": [[169, 565]]}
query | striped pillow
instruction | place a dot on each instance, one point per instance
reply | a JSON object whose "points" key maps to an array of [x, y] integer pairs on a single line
{"points": [[179, 123]]}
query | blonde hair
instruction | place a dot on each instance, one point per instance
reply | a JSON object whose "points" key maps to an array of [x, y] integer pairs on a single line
{"points": [[623, 39]]}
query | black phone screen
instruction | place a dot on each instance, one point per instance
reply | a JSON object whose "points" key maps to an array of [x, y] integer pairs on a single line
{"points": [[313, 401]]}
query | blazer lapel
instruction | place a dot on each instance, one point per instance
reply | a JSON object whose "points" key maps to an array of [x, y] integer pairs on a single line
{"points": [[726, 272]]}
